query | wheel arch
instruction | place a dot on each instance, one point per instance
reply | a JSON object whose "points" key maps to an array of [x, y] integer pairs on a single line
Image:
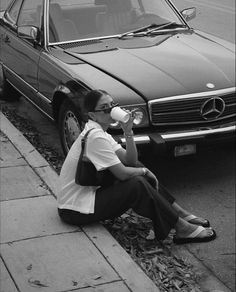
{"points": [[72, 91]]}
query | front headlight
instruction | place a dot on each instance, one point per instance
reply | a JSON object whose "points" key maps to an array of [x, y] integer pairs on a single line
{"points": [[140, 120], [138, 116]]}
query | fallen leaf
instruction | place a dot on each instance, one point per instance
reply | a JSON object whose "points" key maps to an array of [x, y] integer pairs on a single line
{"points": [[151, 235], [29, 267], [154, 251], [75, 283], [96, 277], [36, 283]]}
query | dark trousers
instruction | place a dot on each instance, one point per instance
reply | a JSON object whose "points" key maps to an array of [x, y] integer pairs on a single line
{"points": [[136, 193]]}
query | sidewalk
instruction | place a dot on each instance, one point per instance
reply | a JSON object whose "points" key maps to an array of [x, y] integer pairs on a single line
{"points": [[38, 251]]}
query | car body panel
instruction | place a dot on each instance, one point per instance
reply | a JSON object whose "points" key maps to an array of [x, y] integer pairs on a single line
{"points": [[15, 54], [162, 64]]}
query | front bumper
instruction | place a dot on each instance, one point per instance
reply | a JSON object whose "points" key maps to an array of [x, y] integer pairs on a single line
{"points": [[146, 139], [164, 141]]}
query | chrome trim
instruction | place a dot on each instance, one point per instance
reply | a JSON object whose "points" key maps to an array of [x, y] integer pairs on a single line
{"points": [[46, 23], [42, 111], [145, 139], [193, 134], [134, 105], [206, 122], [217, 107], [44, 97], [177, 11], [27, 84], [30, 100], [193, 95], [117, 36], [138, 140], [217, 93]]}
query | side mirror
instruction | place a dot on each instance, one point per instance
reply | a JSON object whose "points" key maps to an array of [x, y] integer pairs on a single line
{"points": [[189, 13], [28, 32]]}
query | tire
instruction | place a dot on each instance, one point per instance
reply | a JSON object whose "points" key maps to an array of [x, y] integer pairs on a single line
{"points": [[7, 92], [70, 125]]}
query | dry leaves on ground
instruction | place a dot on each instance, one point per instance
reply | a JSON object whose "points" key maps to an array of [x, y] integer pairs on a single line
{"points": [[135, 235]]}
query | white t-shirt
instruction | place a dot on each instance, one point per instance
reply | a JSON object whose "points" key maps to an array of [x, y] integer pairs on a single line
{"points": [[100, 149]]}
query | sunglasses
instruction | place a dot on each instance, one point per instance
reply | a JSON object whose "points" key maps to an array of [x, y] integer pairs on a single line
{"points": [[108, 109]]}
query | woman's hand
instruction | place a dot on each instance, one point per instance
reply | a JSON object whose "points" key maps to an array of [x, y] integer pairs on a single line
{"points": [[151, 178], [128, 126]]}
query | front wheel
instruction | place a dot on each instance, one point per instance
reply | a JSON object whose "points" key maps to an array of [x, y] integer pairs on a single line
{"points": [[70, 125]]}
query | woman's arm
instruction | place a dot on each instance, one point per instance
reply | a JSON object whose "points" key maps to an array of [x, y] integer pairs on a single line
{"points": [[128, 156], [122, 172]]}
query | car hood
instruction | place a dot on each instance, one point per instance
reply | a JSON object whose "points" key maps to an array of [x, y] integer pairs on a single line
{"points": [[164, 66]]}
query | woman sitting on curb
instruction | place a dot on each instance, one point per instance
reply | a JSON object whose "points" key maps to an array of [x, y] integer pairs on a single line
{"points": [[134, 187]]}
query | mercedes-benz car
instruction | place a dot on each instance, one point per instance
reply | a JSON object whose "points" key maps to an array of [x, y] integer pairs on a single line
{"points": [[180, 81]]}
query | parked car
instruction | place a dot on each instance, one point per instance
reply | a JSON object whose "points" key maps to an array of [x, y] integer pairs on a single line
{"points": [[143, 53]]}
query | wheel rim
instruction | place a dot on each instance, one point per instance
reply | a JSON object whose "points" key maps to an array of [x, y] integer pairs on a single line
{"points": [[71, 129]]}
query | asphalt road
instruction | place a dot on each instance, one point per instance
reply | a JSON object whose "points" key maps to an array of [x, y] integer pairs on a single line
{"points": [[204, 183]]}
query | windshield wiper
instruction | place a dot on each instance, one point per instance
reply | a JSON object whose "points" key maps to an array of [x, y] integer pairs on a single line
{"points": [[132, 32], [171, 24], [155, 27]]}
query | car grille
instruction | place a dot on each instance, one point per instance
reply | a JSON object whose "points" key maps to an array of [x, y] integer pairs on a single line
{"points": [[188, 110]]}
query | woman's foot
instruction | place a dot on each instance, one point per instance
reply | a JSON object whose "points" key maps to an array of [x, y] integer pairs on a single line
{"points": [[188, 233], [196, 220], [201, 234], [190, 217]]}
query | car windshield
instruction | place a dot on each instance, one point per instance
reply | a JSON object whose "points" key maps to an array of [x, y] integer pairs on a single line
{"points": [[86, 19]]}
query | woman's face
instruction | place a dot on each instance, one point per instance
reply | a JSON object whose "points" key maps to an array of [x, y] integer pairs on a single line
{"points": [[102, 113]]}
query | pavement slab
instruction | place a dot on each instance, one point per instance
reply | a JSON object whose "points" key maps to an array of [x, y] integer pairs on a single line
{"points": [[57, 263], [6, 282], [31, 155], [9, 156], [33, 217], [21, 182]]}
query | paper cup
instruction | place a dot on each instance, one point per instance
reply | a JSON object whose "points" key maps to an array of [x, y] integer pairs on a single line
{"points": [[118, 114]]}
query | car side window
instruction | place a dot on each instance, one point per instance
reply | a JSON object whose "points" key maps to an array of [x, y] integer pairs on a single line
{"points": [[12, 13], [31, 13]]}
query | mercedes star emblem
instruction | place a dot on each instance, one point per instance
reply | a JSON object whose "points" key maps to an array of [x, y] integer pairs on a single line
{"points": [[212, 108]]}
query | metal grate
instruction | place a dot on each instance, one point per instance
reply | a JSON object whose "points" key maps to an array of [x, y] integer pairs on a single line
{"points": [[67, 46], [188, 111]]}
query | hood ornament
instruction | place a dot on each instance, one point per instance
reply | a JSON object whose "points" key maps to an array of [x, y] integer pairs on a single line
{"points": [[210, 85]]}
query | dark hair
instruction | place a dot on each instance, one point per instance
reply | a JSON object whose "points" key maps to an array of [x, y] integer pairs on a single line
{"points": [[91, 99]]}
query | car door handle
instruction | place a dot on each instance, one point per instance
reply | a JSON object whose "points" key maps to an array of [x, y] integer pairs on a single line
{"points": [[7, 39]]}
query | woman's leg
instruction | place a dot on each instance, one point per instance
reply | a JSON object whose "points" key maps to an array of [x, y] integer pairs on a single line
{"points": [[180, 210], [139, 195], [135, 193]]}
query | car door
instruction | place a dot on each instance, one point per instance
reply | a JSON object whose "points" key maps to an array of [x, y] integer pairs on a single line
{"points": [[21, 56]]}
